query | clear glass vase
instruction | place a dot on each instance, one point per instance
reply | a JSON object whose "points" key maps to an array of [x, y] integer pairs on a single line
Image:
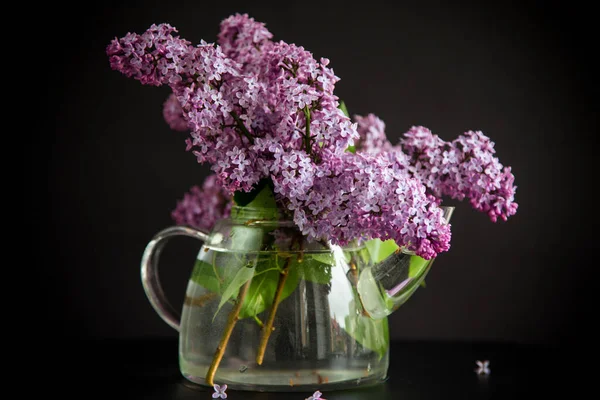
{"points": [[267, 310]]}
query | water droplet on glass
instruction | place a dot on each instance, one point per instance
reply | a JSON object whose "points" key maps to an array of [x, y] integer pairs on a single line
{"points": [[243, 369], [369, 367]]}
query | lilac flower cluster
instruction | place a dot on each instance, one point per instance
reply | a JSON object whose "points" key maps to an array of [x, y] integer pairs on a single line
{"points": [[257, 109], [359, 197], [202, 207], [287, 99], [173, 114], [372, 138], [463, 168], [242, 39]]}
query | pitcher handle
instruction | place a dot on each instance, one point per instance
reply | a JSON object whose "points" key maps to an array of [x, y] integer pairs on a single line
{"points": [[149, 271]]}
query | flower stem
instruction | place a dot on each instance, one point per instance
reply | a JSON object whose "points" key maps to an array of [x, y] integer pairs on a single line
{"points": [[307, 138], [258, 321], [354, 271], [233, 317], [240, 125], [268, 326]]}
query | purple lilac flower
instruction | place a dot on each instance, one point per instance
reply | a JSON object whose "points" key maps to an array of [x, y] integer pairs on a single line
{"points": [[260, 109], [372, 137], [359, 197], [173, 114], [206, 84], [155, 57], [242, 38], [290, 101], [294, 105], [202, 207], [463, 168]]}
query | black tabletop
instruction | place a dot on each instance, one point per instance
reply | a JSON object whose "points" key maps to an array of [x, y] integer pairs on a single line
{"points": [[148, 369]]}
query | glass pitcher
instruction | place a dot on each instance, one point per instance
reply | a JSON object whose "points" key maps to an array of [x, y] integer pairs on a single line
{"points": [[267, 310]]}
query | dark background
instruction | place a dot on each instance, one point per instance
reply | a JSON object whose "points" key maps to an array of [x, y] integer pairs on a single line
{"points": [[521, 73]]}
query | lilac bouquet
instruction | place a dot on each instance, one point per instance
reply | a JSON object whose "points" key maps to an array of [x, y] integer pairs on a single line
{"points": [[259, 110], [265, 116]]}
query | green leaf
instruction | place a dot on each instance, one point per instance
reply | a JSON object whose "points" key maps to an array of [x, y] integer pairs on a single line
{"points": [[242, 198], [204, 275], [351, 149], [261, 207], [264, 199], [243, 275], [260, 202], [372, 334], [342, 107], [315, 267], [261, 292], [380, 250], [417, 266], [324, 258], [264, 188]]}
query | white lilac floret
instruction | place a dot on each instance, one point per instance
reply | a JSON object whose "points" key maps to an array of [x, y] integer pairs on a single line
{"points": [[219, 391], [483, 367], [316, 396]]}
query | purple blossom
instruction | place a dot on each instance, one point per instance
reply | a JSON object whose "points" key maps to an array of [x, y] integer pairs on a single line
{"points": [[359, 197], [154, 57], [205, 82], [287, 97], [242, 39], [257, 109], [281, 120], [463, 168], [294, 102], [202, 207], [371, 130], [173, 114]]}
